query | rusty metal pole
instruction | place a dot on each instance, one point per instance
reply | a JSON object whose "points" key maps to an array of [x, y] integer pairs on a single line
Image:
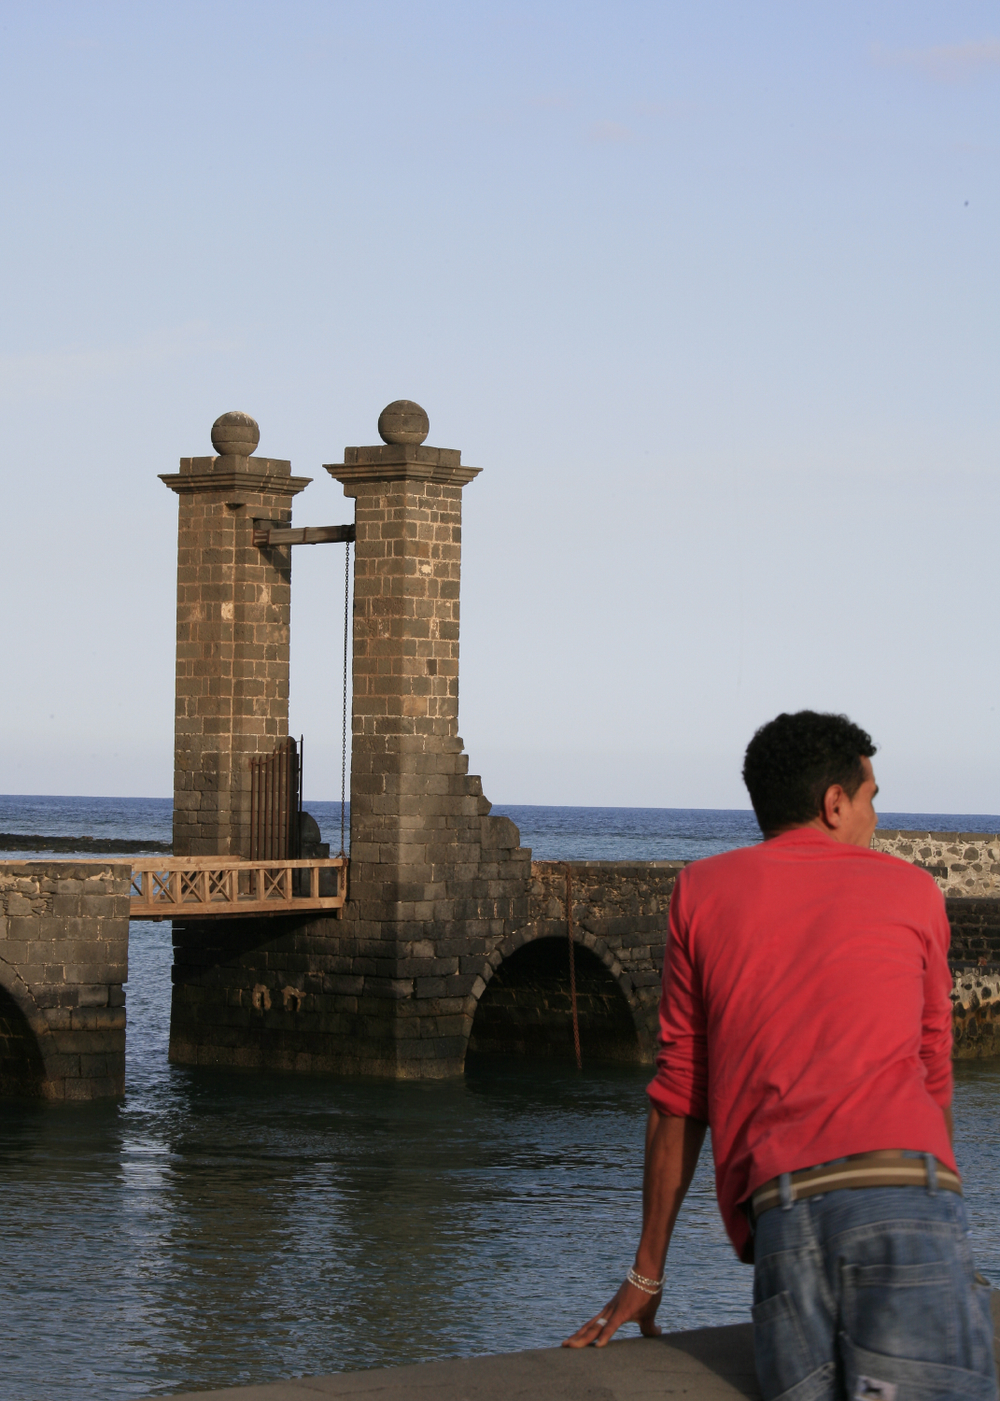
{"points": [[572, 967]]}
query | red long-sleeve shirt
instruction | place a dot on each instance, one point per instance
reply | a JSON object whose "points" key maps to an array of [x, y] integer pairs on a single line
{"points": [[806, 1010]]}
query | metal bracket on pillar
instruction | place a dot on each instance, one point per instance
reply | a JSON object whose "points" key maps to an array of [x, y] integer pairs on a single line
{"points": [[266, 533]]}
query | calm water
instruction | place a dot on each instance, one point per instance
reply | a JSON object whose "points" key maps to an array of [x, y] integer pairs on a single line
{"points": [[553, 833], [215, 1229]]}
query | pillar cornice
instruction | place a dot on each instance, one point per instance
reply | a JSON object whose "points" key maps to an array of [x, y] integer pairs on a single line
{"points": [[401, 462], [232, 473]]}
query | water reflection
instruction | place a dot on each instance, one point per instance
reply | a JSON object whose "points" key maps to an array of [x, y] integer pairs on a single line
{"points": [[218, 1229]]}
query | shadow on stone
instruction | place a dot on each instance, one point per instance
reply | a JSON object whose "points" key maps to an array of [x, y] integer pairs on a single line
{"points": [[22, 1070], [526, 1008], [728, 1352]]}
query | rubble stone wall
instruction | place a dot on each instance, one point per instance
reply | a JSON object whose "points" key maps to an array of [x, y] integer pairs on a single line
{"points": [[976, 1012], [966, 865]]}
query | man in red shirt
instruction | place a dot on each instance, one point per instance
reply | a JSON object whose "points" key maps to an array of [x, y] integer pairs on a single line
{"points": [[806, 1018]]}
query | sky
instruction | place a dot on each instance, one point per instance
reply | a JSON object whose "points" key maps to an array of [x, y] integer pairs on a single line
{"points": [[709, 292]]}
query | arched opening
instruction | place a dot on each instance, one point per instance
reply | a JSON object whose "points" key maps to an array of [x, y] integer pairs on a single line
{"points": [[526, 1009], [22, 1070]]}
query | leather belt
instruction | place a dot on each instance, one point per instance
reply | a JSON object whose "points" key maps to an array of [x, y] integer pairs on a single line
{"points": [[885, 1168]]}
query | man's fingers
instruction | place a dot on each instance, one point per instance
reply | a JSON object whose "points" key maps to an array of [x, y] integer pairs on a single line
{"points": [[609, 1320], [628, 1306], [583, 1337], [592, 1329]]}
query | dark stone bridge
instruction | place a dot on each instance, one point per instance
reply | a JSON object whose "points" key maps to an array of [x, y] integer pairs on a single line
{"points": [[318, 997]]}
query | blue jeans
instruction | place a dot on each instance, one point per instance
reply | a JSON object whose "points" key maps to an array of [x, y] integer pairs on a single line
{"points": [[870, 1295]]}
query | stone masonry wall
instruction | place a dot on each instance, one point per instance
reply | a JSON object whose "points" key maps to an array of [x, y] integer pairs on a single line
{"points": [[620, 912], [975, 931], [63, 960], [318, 997], [526, 1008], [341, 995], [440, 892]]}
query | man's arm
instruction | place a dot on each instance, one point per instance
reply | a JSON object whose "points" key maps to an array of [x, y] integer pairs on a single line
{"points": [[672, 1148], [936, 1027]]}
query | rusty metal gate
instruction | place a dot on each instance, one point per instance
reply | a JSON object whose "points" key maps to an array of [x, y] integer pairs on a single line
{"points": [[276, 803]]}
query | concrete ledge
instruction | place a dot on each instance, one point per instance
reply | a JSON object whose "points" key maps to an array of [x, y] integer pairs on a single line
{"points": [[707, 1364]]}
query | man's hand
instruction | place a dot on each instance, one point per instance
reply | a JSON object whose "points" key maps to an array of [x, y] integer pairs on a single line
{"points": [[630, 1305]]}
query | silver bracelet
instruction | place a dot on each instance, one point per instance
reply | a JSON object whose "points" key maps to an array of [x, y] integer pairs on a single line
{"points": [[648, 1286]]}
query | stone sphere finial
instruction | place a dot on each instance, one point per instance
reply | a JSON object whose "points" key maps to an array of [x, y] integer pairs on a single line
{"points": [[235, 434], [403, 421]]}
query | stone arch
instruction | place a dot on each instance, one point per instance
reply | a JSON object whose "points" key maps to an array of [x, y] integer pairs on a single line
{"points": [[520, 1001], [24, 1039]]}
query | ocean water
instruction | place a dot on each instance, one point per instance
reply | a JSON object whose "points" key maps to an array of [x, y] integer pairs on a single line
{"points": [[553, 833], [218, 1229]]}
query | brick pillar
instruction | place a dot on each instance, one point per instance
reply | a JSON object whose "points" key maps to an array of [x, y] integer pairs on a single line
{"points": [[435, 883], [233, 613]]}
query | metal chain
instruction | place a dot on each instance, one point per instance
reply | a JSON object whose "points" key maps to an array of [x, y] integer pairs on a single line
{"points": [[572, 967], [343, 731]]}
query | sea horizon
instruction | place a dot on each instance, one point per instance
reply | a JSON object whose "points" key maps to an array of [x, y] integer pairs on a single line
{"points": [[553, 832]]}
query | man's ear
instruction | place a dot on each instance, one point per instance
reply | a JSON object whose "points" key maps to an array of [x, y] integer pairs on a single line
{"points": [[832, 801]]}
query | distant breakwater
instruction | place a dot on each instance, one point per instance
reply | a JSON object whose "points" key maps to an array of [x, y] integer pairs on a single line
{"points": [[20, 841]]}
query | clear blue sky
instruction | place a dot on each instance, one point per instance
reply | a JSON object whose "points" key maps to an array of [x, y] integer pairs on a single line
{"points": [[710, 292]]}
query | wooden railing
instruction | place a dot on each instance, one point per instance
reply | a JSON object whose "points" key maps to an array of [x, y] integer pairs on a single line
{"points": [[200, 887]]}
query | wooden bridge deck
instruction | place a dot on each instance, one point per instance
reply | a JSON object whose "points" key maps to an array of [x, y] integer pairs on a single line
{"points": [[202, 887]]}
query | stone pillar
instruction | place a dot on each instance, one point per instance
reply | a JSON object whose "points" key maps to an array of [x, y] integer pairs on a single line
{"points": [[233, 614], [435, 882]]}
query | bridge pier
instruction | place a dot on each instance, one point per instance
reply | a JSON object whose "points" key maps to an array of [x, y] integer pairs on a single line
{"points": [[63, 960]]}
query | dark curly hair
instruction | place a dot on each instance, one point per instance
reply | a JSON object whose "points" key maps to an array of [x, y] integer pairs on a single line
{"points": [[792, 760]]}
